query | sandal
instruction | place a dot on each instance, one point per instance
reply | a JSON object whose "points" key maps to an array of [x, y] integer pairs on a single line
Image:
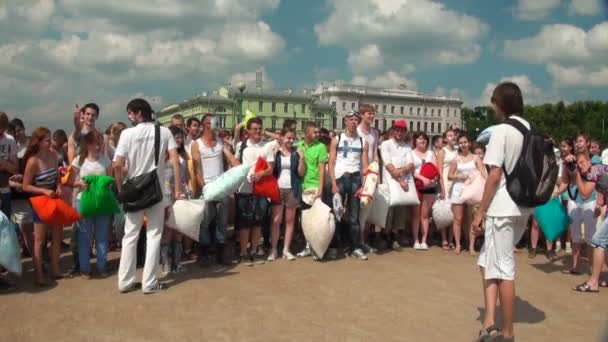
{"points": [[452, 246], [445, 246], [585, 288], [490, 333]]}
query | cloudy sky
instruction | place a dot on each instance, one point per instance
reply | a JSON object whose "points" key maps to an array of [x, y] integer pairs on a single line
{"points": [[54, 53]]}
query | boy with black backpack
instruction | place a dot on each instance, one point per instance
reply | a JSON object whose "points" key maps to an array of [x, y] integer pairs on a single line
{"points": [[521, 172]]}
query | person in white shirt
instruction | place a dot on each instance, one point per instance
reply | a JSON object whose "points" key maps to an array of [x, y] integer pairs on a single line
{"points": [[371, 136], [346, 163], [505, 221], [193, 127], [444, 157], [396, 152], [136, 149], [421, 214], [208, 154], [8, 164], [252, 208]]}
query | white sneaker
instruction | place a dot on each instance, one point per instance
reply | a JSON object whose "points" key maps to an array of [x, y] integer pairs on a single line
{"points": [[568, 248], [306, 252], [558, 246], [359, 254], [424, 246], [272, 257], [417, 246], [288, 256]]}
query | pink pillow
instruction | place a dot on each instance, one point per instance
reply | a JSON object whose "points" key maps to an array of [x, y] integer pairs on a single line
{"points": [[472, 191]]}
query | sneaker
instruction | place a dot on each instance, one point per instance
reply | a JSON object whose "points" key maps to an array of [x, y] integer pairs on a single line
{"points": [[558, 246], [306, 252], [368, 249], [551, 255], [396, 246], [332, 254], [272, 257], [532, 253], [179, 269], [568, 248], [424, 246], [74, 271], [359, 254], [259, 259], [158, 288], [165, 269], [246, 260], [288, 256], [417, 245], [131, 288]]}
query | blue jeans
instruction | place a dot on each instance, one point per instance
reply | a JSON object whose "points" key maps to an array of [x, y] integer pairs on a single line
{"points": [[86, 227], [348, 185], [214, 210], [600, 238]]}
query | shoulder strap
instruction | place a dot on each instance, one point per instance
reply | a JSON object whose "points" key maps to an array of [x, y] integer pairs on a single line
{"points": [[156, 144], [518, 125], [242, 149]]}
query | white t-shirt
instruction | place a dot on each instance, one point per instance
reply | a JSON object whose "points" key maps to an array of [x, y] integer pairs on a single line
{"points": [[371, 138], [250, 156], [285, 175], [504, 148], [136, 145], [399, 154], [212, 160], [605, 157], [8, 151], [91, 168]]}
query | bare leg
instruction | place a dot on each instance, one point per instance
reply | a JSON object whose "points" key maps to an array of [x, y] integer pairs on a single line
{"points": [[576, 256], [27, 230], [599, 256], [39, 245], [490, 296], [472, 238], [507, 302], [256, 233], [425, 215], [244, 240], [458, 210], [534, 234], [277, 218], [56, 235], [290, 217], [416, 223]]}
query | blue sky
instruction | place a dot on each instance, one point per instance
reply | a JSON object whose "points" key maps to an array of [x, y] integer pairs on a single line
{"points": [[54, 53]]}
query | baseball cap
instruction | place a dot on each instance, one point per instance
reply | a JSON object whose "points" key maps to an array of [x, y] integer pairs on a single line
{"points": [[400, 124]]}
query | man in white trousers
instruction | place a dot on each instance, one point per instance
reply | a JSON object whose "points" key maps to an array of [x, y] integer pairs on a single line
{"points": [[136, 150]]}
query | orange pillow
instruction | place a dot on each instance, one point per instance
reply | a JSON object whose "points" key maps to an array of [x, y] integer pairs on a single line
{"points": [[267, 186], [54, 211]]}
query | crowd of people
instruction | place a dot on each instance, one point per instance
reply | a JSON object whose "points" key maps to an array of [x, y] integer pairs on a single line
{"points": [[189, 154]]}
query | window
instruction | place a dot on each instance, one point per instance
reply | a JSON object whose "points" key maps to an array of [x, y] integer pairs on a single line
{"points": [[392, 123], [376, 106], [220, 109], [352, 106], [425, 110], [418, 111], [411, 125], [274, 107], [411, 111], [383, 108], [439, 127], [439, 112], [418, 125], [273, 123], [401, 109], [333, 104], [285, 106], [432, 112], [392, 109], [376, 123], [303, 108], [260, 106], [334, 122], [432, 127], [426, 126], [343, 105], [303, 122], [384, 124]]}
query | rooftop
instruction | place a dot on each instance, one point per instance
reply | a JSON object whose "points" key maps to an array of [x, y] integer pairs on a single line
{"points": [[401, 92]]}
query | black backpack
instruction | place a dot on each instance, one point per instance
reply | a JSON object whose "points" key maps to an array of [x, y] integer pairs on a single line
{"points": [[532, 181]]}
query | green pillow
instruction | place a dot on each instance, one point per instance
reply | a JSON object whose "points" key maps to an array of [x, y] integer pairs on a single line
{"points": [[98, 200]]}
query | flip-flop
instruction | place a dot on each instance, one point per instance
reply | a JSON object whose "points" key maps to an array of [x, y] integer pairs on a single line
{"points": [[585, 288], [491, 333], [445, 246]]}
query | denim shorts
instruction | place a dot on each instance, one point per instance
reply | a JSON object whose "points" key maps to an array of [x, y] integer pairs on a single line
{"points": [[600, 238], [251, 210]]}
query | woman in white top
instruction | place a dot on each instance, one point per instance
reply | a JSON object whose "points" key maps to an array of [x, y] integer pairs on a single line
{"points": [[91, 161], [171, 248], [444, 158], [462, 169], [289, 169], [422, 212]]}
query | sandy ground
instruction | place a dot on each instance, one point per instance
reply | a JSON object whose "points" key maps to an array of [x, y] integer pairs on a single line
{"points": [[399, 296]]}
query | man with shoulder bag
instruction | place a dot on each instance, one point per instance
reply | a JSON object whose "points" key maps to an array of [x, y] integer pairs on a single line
{"points": [[143, 149]]}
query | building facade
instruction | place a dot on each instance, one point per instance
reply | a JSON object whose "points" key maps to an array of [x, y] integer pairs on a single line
{"points": [[273, 107], [428, 113]]}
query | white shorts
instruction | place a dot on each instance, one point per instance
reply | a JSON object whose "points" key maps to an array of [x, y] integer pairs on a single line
{"points": [[582, 213], [21, 212], [497, 256]]}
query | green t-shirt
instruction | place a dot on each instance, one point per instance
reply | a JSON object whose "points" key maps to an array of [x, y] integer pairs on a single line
{"points": [[314, 154]]}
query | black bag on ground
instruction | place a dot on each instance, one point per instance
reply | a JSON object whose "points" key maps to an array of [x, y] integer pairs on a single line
{"points": [[143, 191], [532, 181]]}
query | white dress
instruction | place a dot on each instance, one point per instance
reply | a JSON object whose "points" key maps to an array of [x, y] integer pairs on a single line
{"points": [[462, 168]]}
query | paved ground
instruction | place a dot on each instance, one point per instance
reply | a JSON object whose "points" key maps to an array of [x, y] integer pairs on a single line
{"points": [[405, 296]]}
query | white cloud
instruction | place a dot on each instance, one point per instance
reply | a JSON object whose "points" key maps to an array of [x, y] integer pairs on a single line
{"points": [[532, 93], [585, 7], [535, 9], [393, 33], [54, 52], [390, 79], [571, 55]]}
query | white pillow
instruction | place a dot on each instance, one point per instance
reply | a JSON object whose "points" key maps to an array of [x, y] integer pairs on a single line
{"points": [[442, 214], [378, 210], [186, 217], [318, 225], [224, 185], [400, 197]]}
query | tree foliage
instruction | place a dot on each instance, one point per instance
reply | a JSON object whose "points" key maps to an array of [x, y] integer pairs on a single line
{"points": [[557, 120]]}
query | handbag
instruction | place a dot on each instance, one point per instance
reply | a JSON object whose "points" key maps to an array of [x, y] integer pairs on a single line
{"points": [[143, 191]]}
